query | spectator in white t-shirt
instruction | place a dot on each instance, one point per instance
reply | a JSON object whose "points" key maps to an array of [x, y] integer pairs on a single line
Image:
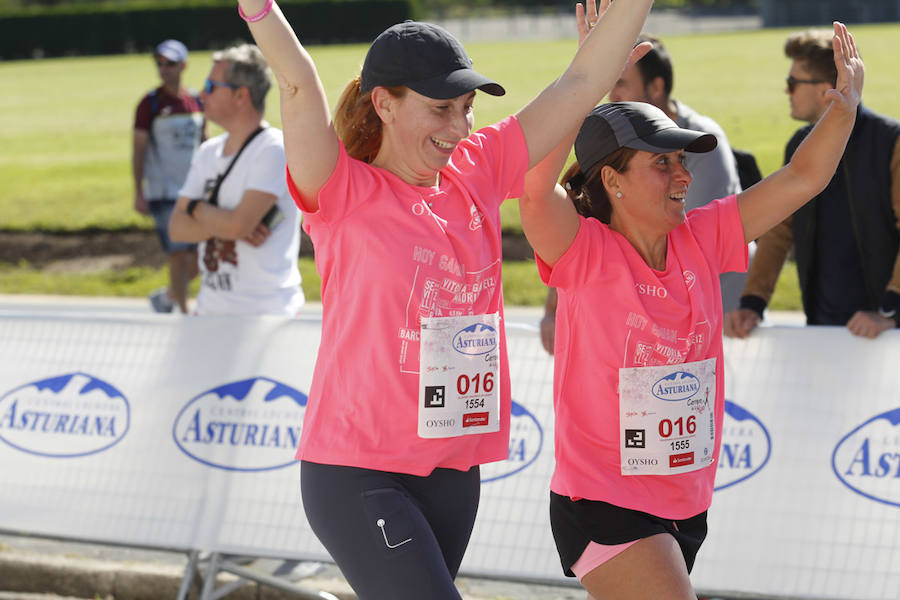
{"points": [[235, 201]]}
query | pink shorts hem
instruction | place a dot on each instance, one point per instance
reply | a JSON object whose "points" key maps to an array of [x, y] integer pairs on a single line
{"points": [[595, 555]]}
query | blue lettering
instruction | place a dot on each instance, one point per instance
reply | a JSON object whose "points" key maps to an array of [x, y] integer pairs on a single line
{"points": [[861, 457], [294, 435], [884, 465], [737, 456], [10, 416], [250, 439], [517, 450]]}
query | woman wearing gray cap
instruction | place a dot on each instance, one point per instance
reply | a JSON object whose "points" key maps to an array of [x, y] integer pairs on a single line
{"points": [[411, 387], [638, 388]]}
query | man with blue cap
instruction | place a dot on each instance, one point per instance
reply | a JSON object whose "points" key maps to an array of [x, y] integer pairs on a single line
{"points": [[168, 128]]}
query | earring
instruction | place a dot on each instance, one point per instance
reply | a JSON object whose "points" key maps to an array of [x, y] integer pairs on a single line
{"points": [[618, 194]]}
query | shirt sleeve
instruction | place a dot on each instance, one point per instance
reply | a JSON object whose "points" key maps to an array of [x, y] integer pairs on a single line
{"points": [[498, 155], [584, 255], [718, 229], [268, 168], [142, 115]]}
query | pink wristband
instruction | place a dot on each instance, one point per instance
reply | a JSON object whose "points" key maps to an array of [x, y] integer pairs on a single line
{"points": [[258, 16]]}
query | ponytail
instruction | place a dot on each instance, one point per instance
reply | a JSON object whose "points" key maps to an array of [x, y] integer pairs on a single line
{"points": [[357, 124]]}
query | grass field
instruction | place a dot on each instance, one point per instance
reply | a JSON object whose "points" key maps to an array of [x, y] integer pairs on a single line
{"points": [[66, 123]]}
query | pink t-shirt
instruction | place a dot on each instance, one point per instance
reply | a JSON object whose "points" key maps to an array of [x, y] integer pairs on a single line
{"points": [[390, 253], [615, 311]]}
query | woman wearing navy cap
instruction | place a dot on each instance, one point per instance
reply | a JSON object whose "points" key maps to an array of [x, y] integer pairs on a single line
{"points": [[638, 384], [401, 199]]}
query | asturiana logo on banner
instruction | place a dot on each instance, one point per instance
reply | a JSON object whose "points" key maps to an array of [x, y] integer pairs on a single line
{"points": [[746, 446], [526, 438], [475, 340], [676, 387], [64, 416], [249, 425], [867, 460]]}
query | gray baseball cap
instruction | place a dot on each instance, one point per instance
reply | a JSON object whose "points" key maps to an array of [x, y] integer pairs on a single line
{"points": [[635, 125]]}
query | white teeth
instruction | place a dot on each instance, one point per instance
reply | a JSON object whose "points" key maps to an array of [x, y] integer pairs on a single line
{"points": [[440, 144]]}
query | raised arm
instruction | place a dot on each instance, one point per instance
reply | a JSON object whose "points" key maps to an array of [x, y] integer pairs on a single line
{"points": [[310, 142], [549, 219], [813, 164], [559, 110]]}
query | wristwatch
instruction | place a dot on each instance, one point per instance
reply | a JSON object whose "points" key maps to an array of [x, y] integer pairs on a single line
{"points": [[191, 206]]}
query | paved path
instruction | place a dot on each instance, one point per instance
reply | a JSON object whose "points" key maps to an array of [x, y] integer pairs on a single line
{"points": [[559, 26]]}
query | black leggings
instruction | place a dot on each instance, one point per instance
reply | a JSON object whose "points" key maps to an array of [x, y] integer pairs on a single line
{"points": [[394, 536]]}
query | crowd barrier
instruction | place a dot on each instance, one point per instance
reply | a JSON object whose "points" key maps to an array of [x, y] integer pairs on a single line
{"points": [[180, 434]]}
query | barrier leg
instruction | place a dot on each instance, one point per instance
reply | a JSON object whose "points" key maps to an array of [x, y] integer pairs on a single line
{"points": [[189, 571]]}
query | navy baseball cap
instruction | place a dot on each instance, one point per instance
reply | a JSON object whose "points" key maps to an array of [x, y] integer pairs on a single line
{"points": [[425, 58], [635, 125]]}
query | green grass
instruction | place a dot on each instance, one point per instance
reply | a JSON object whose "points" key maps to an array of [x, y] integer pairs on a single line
{"points": [[66, 123], [521, 284]]}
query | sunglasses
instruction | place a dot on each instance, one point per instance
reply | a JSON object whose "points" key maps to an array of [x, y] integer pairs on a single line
{"points": [[211, 85], [166, 63], [793, 82]]}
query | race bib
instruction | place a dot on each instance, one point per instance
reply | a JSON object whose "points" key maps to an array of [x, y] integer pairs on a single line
{"points": [[459, 384], [666, 418]]}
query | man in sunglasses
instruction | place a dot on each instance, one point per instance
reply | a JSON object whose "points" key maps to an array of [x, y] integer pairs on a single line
{"points": [[168, 128], [235, 200], [846, 240]]}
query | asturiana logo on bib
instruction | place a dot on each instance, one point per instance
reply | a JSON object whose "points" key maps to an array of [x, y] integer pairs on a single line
{"points": [[746, 446], [248, 425], [475, 339], [867, 460], [64, 416], [676, 387], [526, 439]]}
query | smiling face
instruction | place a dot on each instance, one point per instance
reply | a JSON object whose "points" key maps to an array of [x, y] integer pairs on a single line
{"points": [[653, 189], [421, 133]]}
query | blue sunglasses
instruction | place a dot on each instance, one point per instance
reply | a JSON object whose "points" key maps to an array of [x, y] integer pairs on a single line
{"points": [[211, 85]]}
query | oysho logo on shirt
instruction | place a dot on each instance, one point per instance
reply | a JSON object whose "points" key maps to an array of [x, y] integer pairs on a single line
{"points": [[654, 291], [64, 416]]}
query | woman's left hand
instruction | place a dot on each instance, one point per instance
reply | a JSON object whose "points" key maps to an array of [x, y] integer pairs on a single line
{"points": [[586, 18], [850, 70]]}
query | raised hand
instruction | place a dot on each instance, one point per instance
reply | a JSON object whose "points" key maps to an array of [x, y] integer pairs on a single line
{"points": [[587, 18], [850, 70]]}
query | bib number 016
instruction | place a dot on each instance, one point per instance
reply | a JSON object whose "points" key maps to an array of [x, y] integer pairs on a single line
{"points": [[679, 427], [480, 383]]}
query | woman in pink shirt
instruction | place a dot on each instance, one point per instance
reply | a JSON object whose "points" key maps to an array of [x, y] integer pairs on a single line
{"points": [[401, 199], [638, 385]]}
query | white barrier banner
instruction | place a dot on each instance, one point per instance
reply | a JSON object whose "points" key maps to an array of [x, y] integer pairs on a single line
{"points": [[180, 433]]}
